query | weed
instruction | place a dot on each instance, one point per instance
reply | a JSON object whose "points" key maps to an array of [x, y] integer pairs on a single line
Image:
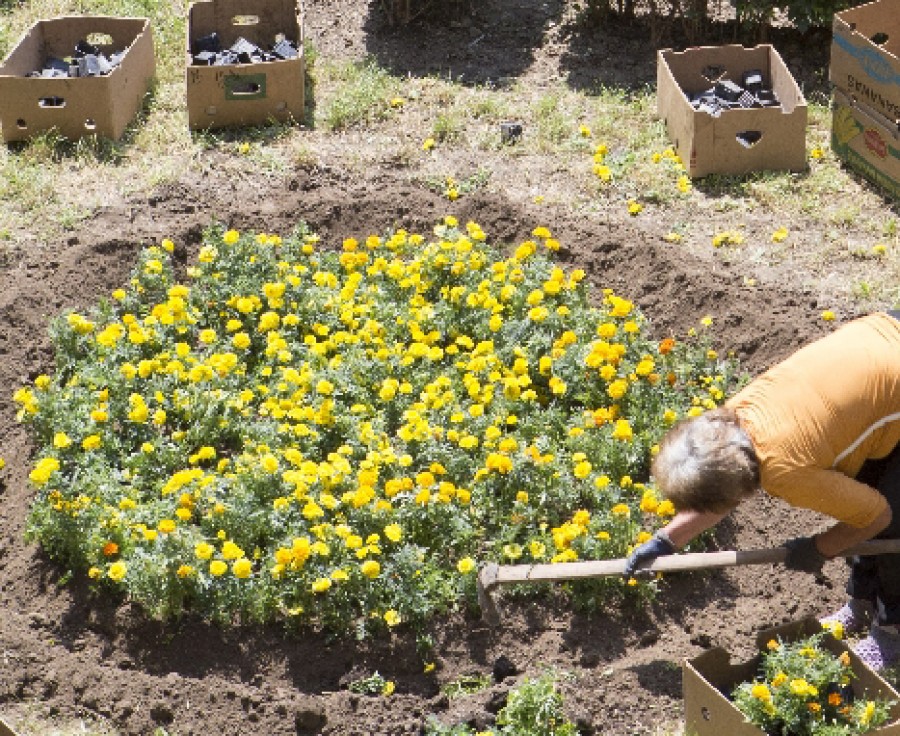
{"points": [[467, 685]]}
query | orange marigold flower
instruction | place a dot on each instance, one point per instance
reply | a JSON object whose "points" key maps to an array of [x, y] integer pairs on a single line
{"points": [[666, 345], [834, 699], [110, 549]]}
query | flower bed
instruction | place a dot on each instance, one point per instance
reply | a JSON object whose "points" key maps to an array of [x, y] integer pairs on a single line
{"points": [[339, 437]]}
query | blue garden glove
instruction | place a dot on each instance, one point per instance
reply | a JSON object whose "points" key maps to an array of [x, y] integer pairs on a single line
{"points": [[803, 555], [658, 546]]}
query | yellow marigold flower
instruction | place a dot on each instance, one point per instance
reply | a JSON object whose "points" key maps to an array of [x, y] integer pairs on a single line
{"points": [[761, 691], [537, 549], [42, 471], [836, 628], [465, 565], [231, 551], [242, 568], [393, 532], [184, 571], [231, 237], [620, 509], [634, 208], [61, 440], [370, 568], [91, 442], [117, 571], [582, 469], [623, 431], [166, 526], [95, 573], [391, 617], [204, 550], [321, 585], [217, 568]]}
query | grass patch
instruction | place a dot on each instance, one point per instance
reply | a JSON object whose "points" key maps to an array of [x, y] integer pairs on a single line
{"points": [[362, 95]]}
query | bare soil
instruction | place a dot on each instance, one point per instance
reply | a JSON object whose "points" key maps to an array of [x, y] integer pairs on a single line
{"points": [[67, 655]]}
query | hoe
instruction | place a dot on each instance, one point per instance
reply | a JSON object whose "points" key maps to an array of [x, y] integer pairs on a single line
{"points": [[493, 575]]}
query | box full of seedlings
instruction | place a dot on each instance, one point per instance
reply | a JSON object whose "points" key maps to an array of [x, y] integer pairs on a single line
{"points": [[803, 681], [731, 109], [245, 63], [80, 75]]}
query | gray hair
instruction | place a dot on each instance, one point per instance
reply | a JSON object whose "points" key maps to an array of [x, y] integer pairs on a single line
{"points": [[707, 463]]}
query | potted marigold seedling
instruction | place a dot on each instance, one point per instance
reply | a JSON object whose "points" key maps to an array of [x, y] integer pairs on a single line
{"points": [[804, 689], [803, 681]]}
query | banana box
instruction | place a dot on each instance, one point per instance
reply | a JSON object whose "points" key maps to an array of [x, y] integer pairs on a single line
{"points": [[865, 55], [867, 142]]}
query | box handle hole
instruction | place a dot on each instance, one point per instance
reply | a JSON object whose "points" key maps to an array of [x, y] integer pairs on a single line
{"points": [[52, 102], [89, 124], [99, 39], [879, 39], [713, 73], [704, 711], [211, 110], [245, 20], [21, 124], [245, 88], [749, 138]]}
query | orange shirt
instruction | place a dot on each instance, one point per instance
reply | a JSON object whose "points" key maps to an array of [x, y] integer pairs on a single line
{"points": [[819, 415]]}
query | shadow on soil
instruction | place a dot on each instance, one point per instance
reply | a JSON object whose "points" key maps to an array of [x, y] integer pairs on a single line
{"points": [[494, 43]]}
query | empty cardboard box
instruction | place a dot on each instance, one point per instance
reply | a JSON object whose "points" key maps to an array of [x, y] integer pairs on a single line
{"points": [[101, 105], [253, 92], [706, 679], [865, 56], [866, 141], [733, 141]]}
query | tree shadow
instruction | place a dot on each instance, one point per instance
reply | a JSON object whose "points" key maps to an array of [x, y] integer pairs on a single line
{"points": [[490, 42], [621, 51]]}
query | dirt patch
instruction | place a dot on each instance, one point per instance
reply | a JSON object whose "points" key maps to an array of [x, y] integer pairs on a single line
{"points": [[70, 655]]}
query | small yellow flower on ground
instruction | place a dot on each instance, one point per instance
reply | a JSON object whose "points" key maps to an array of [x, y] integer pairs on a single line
{"points": [[465, 565], [828, 315]]}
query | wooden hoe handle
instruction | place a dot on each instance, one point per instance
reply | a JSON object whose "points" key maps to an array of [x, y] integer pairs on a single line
{"points": [[492, 574]]}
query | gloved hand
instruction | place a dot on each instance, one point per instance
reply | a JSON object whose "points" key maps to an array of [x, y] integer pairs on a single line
{"points": [[657, 546], [803, 555]]}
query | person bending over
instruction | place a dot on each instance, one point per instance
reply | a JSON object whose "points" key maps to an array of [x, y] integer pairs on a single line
{"points": [[820, 430]]}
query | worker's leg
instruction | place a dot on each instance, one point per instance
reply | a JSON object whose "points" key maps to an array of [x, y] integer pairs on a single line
{"points": [[888, 566], [882, 647]]}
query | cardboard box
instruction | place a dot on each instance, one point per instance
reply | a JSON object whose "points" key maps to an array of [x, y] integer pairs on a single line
{"points": [[708, 712], [245, 94], [865, 48], [866, 141], [79, 106], [717, 145]]}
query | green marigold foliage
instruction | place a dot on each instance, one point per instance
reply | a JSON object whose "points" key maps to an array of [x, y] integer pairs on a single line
{"points": [[339, 438]]}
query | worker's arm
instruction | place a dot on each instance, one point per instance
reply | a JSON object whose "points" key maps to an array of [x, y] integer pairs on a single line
{"points": [[839, 537], [686, 525]]}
